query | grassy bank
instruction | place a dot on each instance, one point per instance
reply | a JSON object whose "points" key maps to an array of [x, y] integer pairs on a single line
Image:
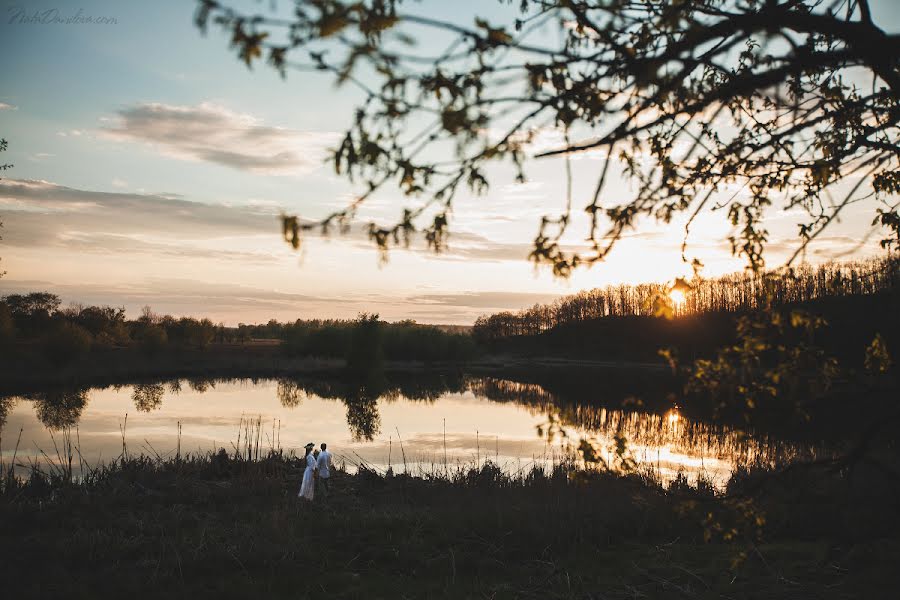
{"points": [[218, 525]]}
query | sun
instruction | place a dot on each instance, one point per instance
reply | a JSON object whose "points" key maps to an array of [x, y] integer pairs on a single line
{"points": [[672, 416], [677, 297]]}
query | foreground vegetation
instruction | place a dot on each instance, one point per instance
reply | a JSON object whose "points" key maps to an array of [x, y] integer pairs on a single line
{"points": [[231, 525]]}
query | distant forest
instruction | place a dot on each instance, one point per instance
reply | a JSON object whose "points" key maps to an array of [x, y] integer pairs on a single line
{"points": [[615, 323], [35, 323], [732, 293]]}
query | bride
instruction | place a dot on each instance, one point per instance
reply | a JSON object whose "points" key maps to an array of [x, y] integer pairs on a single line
{"points": [[308, 486]]}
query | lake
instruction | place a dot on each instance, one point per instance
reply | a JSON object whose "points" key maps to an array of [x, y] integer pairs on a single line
{"points": [[428, 425]]}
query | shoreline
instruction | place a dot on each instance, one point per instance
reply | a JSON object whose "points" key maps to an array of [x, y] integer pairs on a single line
{"points": [[126, 365]]}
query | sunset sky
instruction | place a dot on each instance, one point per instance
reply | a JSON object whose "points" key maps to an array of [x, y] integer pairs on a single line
{"points": [[151, 167]]}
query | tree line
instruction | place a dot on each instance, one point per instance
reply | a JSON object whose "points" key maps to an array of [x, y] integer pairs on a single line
{"points": [[61, 335], [64, 334], [731, 293]]}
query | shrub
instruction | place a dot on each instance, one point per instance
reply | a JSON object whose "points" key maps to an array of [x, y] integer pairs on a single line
{"points": [[152, 339], [65, 343]]}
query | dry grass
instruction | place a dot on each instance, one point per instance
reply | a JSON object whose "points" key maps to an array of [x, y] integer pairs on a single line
{"points": [[230, 524]]}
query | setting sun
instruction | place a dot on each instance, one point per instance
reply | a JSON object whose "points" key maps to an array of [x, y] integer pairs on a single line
{"points": [[672, 416], [677, 297]]}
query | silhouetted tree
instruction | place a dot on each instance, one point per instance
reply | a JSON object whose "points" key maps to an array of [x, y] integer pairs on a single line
{"points": [[151, 338], [693, 99], [106, 324], [732, 293], [365, 355], [32, 312], [7, 327]]}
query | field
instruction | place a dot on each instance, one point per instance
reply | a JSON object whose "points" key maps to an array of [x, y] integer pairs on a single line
{"points": [[228, 526]]}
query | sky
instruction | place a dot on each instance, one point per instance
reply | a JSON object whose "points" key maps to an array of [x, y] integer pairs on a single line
{"points": [[151, 166]]}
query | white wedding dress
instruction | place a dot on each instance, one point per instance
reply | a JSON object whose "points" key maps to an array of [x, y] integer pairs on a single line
{"points": [[308, 485]]}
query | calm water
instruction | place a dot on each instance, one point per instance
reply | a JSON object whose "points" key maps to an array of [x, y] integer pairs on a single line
{"points": [[466, 420]]}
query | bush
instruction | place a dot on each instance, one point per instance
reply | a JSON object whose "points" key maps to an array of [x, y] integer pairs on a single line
{"points": [[152, 339], [7, 328], [65, 343]]}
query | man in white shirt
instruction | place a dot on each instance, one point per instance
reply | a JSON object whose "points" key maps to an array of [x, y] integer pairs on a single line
{"points": [[325, 466]]}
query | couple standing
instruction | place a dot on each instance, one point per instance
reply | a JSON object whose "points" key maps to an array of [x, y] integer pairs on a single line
{"points": [[318, 466]]}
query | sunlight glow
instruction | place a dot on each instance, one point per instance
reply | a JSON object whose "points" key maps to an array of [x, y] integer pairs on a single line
{"points": [[673, 416], [677, 297]]}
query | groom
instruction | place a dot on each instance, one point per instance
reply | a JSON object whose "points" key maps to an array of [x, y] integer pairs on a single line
{"points": [[325, 465]]}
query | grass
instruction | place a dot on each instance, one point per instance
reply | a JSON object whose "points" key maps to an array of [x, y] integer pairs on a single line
{"points": [[220, 525]]}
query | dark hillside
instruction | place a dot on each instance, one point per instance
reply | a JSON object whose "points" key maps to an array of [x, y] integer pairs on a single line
{"points": [[852, 324]]}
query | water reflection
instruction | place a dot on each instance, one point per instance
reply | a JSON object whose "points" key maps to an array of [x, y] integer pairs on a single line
{"points": [[290, 393], [6, 405], [510, 421], [59, 409], [147, 396], [668, 438]]}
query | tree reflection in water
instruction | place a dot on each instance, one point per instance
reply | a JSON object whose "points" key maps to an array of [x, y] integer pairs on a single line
{"points": [[636, 432], [359, 397], [59, 409], [7, 403], [583, 412], [290, 393], [201, 385], [147, 396], [363, 418]]}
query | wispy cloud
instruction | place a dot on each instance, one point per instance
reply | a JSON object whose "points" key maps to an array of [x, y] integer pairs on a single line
{"points": [[42, 213], [482, 300], [177, 296], [233, 301], [5, 106], [39, 211], [212, 133]]}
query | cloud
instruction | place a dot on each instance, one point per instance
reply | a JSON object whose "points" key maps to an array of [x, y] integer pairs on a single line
{"points": [[45, 216], [109, 243], [41, 213], [233, 302], [212, 133], [37, 212], [482, 300], [179, 296], [5, 106]]}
